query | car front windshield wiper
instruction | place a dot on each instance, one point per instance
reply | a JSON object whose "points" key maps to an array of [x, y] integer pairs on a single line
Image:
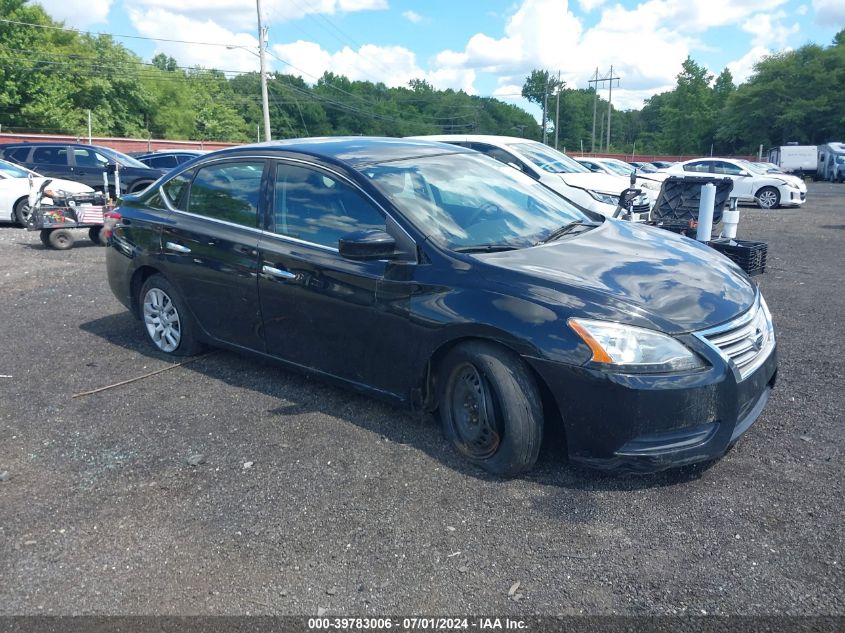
{"points": [[566, 229], [486, 248]]}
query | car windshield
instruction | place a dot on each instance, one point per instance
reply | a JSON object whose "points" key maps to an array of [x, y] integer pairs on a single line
{"points": [[13, 171], [120, 157], [620, 168], [758, 168], [549, 159], [464, 201]]}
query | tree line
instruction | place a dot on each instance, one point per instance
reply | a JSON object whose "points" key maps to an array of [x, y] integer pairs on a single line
{"points": [[52, 78]]}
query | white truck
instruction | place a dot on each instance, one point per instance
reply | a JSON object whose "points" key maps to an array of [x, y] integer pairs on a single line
{"points": [[794, 159], [831, 162]]}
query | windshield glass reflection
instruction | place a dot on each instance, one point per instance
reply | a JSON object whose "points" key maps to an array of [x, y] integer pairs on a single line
{"points": [[470, 200]]}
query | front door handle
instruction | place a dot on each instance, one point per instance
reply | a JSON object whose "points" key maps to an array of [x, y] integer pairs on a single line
{"points": [[277, 272], [178, 248]]}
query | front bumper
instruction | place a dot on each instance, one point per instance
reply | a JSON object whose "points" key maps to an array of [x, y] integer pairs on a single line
{"points": [[648, 423]]}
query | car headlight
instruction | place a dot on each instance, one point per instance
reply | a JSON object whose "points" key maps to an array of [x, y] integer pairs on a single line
{"points": [[650, 184], [635, 349], [607, 198]]}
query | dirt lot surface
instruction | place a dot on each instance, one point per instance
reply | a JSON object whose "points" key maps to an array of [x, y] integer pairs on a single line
{"points": [[311, 497]]}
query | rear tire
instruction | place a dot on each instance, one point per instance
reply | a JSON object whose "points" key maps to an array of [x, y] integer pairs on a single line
{"points": [[95, 234], [490, 408], [60, 239], [768, 198], [169, 325]]}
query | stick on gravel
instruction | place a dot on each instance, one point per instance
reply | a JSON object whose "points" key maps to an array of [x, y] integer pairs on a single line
{"points": [[137, 378]]}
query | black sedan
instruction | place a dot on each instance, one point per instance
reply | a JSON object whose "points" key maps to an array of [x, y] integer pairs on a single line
{"points": [[437, 277]]}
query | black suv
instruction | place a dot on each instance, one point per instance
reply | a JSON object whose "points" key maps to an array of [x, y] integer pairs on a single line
{"points": [[82, 163]]}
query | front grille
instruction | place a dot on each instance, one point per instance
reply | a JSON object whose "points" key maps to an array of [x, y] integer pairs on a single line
{"points": [[641, 208], [746, 341]]}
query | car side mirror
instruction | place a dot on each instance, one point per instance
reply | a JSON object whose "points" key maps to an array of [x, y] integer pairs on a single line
{"points": [[367, 245], [744, 173]]}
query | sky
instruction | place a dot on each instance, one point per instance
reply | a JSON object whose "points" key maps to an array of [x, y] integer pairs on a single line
{"points": [[484, 47]]}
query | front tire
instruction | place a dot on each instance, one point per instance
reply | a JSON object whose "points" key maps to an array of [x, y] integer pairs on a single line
{"points": [[60, 239], [490, 408], [768, 198], [167, 321], [22, 211]]}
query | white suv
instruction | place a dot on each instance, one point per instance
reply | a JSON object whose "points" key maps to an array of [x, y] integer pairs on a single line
{"points": [[769, 191], [570, 179]]}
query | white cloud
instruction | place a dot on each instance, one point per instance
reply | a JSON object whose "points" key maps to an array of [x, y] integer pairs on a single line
{"points": [[802, 10], [78, 13], [392, 65], [742, 68], [589, 5], [234, 14], [830, 13], [160, 23], [645, 44], [768, 30], [412, 16]]}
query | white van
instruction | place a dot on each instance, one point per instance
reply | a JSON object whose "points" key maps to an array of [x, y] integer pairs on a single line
{"points": [[794, 159], [831, 162]]}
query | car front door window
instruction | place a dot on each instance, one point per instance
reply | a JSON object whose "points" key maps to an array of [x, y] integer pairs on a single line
{"points": [[315, 207]]}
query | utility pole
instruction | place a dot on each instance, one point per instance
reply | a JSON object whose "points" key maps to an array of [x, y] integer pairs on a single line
{"points": [[557, 110], [595, 103], [89, 127], [262, 43], [545, 109], [609, 106], [609, 78]]}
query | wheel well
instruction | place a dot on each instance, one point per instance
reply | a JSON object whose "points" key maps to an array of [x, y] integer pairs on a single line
{"points": [[551, 412], [138, 278], [15, 206]]}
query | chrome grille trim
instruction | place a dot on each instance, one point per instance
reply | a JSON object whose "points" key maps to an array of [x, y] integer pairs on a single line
{"points": [[744, 342]]}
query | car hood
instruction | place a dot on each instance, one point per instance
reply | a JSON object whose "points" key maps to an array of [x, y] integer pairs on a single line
{"points": [[62, 184], [634, 274], [605, 183]]}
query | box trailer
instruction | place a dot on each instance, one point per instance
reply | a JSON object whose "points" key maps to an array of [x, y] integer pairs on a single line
{"points": [[831, 162], [795, 159]]}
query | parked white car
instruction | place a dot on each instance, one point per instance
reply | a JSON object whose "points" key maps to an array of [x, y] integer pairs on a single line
{"points": [[769, 191], [651, 181], [14, 190], [573, 181], [770, 169]]}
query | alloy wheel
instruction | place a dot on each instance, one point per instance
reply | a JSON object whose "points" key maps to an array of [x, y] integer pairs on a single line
{"points": [[768, 199], [161, 319]]}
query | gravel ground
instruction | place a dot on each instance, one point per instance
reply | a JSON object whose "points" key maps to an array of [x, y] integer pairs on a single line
{"points": [[310, 496]]}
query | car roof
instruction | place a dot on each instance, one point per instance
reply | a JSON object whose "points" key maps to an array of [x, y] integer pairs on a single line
{"points": [[493, 139], [354, 151]]}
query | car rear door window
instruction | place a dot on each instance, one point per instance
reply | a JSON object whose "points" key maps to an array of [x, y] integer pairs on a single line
{"points": [[162, 162], [50, 156], [315, 207], [728, 169], [228, 191]]}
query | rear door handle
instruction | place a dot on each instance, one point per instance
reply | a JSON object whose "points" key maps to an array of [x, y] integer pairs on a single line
{"points": [[277, 272], [178, 248]]}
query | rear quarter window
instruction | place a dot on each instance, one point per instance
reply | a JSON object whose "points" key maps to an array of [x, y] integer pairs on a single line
{"points": [[50, 156]]}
